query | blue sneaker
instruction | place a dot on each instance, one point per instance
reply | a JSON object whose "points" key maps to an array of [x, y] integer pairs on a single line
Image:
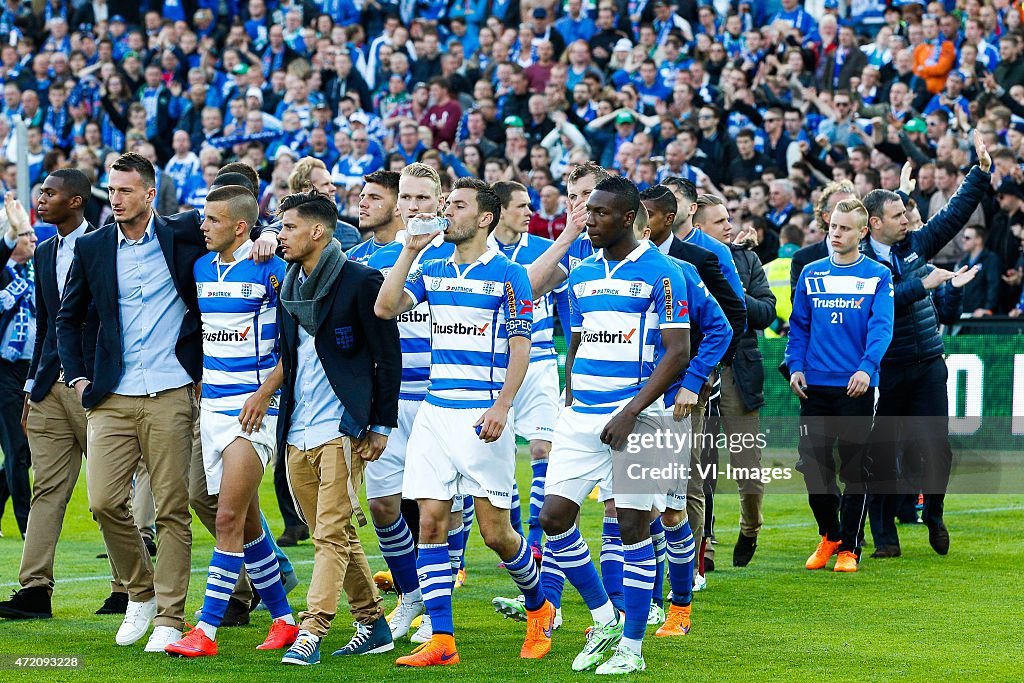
{"points": [[305, 650], [369, 639]]}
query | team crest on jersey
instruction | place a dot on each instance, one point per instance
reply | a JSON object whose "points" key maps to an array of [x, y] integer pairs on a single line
{"points": [[275, 283], [344, 337], [435, 283], [246, 290], [635, 288], [859, 285], [488, 288], [200, 286]]}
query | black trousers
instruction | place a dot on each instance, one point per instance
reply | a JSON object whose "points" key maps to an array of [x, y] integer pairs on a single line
{"points": [[910, 450], [828, 416], [12, 439]]}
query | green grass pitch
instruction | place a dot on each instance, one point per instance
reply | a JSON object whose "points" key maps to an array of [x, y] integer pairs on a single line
{"points": [[920, 617]]}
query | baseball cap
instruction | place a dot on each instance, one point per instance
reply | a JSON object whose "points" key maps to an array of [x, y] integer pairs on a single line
{"points": [[1017, 126], [915, 126], [240, 69], [253, 91], [623, 45], [831, 4], [540, 13], [513, 122], [659, 3], [117, 19], [359, 117], [624, 117]]}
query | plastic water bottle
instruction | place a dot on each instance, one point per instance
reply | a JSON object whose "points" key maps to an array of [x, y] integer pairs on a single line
{"points": [[420, 226]]}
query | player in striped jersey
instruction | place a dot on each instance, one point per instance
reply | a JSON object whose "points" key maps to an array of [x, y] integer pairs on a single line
{"points": [[536, 404], [238, 303], [378, 213], [418, 190], [481, 311], [623, 299], [548, 272]]}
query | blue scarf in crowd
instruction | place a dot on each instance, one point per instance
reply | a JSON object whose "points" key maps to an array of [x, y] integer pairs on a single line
{"points": [[19, 295]]}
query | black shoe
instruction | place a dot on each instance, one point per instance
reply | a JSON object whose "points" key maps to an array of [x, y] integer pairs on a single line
{"points": [[938, 537], [150, 545], [292, 535], [27, 603], [237, 614], [885, 551], [709, 564], [116, 603], [743, 553]]}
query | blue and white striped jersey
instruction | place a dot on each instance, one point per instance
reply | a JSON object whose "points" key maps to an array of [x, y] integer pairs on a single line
{"points": [[362, 252], [474, 309], [618, 309], [238, 303], [414, 325], [580, 249], [524, 252]]}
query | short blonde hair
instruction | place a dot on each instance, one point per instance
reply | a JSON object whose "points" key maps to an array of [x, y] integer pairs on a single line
{"points": [[855, 207], [419, 170]]}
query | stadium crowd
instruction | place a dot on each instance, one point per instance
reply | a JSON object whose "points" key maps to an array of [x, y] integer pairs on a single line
{"points": [[751, 141]]}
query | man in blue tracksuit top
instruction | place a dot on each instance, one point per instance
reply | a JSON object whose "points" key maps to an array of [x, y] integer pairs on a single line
{"points": [[840, 328]]}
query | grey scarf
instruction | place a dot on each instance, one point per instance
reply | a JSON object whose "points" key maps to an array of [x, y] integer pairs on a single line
{"points": [[303, 300]]}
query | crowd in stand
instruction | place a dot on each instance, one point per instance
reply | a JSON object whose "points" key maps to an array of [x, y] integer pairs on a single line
{"points": [[761, 102]]}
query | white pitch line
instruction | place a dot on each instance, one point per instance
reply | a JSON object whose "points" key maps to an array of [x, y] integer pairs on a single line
{"points": [[195, 570]]}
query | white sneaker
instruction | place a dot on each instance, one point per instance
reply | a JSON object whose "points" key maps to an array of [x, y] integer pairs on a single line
{"points": [[137, 619], [402, 617], [162, 637], [558, 619], [656, 615], [699, 583], [425, 632]]}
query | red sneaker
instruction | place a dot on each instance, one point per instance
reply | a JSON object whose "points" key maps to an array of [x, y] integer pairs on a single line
{"points": [[281, 636], [195, 643]]}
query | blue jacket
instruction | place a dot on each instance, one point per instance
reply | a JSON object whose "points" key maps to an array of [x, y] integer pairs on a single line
{"points": [[915, 331], [842, 321]]}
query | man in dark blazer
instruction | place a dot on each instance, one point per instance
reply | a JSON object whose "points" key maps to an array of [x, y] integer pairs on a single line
{"points": [[53, 417], [342, 369], [137, 273], [833, 193]]}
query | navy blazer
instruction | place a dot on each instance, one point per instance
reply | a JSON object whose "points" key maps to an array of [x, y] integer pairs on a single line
{"points": [[93, 281], [361, 354], [46, 368]]}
